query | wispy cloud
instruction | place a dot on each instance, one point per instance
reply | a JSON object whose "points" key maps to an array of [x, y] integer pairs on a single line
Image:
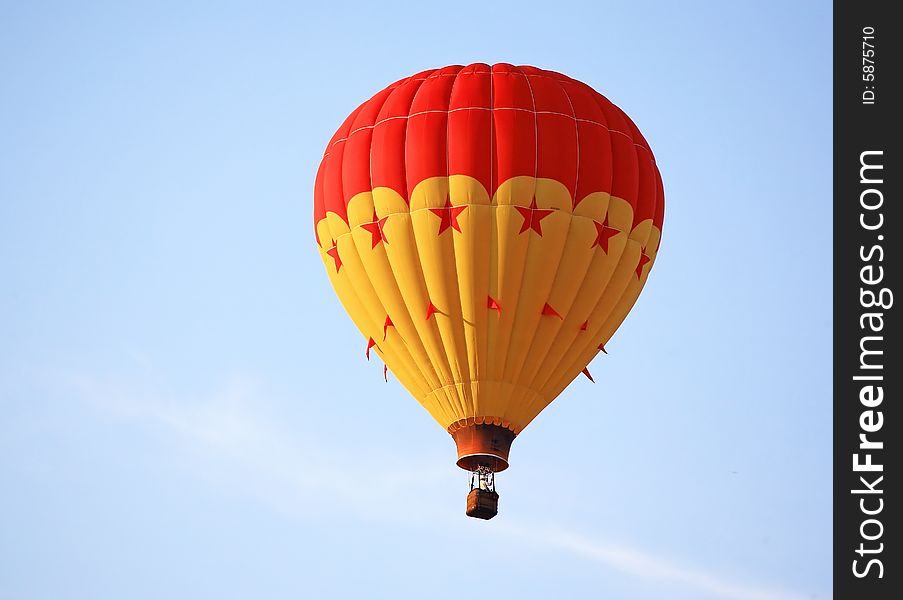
{"points": [[646, 565], [289, 469], [224, 427]]}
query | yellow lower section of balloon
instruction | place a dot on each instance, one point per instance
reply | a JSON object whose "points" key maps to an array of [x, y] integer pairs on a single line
{"points": [[469, 362]]}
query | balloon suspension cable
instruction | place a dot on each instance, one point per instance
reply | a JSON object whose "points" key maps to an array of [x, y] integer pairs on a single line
{"points": [[482, 478]]}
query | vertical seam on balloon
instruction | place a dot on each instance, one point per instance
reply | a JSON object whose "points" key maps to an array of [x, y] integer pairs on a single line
{"points": [[369, 104], [333, 234], [519, 369], [452, 358], [549, 372], [330, 159], [429, 366], [660, 201], [619, 299], [410, 374], [350, 120], [604, 103], [571, 363], [370, 151], [492, 175], [401, 352], [591, 339], [554, 280], [493, 224], [607, 324], [493, 214], [434, 364], [614, 325], [540, 383], [577, 138], [440, 359], [526, 77], [544, 372], [639, 160], [467, 395], [507, 403], [318, 197], [464, 368], [404, 350], [346, 198]]}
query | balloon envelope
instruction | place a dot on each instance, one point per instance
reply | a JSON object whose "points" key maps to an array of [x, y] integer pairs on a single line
{"points": [[487, 228]]}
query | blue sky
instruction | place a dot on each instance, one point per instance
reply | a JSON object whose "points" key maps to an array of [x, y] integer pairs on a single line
{"points": [[186, 409]]}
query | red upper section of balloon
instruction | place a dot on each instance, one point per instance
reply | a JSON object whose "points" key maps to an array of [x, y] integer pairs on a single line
{"points": [[491, 123]]}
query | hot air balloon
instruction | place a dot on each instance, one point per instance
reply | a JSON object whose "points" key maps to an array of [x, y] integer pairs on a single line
{"points": [[487, 228]]}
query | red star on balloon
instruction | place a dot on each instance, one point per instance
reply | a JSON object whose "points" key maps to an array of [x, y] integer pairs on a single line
{"points": [[533, 217], [334, 253], [375, 228], [603, 234], [639, 268], [448, 216]]}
